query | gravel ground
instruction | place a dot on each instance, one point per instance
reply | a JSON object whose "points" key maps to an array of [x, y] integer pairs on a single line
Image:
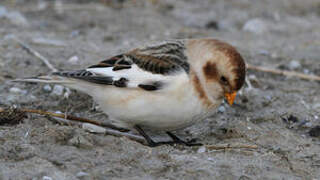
{"points": [[278, 114]]}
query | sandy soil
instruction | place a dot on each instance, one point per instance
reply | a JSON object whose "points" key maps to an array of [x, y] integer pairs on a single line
{"points": [[277, 114]]}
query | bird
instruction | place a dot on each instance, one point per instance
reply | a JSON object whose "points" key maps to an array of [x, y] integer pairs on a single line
{"points": [[164, 86]]}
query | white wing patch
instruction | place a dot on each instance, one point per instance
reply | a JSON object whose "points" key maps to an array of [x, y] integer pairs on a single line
{"points": [[134, 75]]}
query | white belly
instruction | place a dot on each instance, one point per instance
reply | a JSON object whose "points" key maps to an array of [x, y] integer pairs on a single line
{"points": [[167, 109]]}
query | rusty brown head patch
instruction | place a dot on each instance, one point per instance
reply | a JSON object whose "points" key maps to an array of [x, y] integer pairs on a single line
{"points": [[199, 89], [210, 70], [239, 69], [237, 63]]}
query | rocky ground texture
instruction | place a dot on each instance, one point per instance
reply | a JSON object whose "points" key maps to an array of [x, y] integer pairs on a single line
{"points": [[279, 115]]}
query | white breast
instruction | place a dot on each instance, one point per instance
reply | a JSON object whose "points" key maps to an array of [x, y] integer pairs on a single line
{"points": [[173, 107]]}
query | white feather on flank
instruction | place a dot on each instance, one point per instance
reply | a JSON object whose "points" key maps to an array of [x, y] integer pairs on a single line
{"points": [[134, 75]]}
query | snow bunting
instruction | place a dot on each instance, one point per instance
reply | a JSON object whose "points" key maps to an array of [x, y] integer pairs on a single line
{"points": [[165, 87]]}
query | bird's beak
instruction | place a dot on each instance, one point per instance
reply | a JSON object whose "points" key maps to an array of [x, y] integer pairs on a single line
{"points": [[230, 97]]}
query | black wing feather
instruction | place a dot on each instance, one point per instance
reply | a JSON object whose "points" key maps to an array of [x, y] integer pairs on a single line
{"points": [[86, 76]]}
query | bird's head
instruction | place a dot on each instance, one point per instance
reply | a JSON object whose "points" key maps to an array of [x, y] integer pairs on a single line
{"points": [[220, 69]]}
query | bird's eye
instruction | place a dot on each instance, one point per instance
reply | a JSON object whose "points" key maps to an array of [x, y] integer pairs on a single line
{"points": [[223, 80]]}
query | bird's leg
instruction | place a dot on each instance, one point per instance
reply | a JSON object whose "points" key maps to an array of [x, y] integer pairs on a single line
{"points": [[177, 140], [150, 142]]}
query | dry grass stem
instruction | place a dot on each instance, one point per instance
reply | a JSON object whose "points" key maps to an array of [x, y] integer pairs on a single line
{"points": [[229, 146], [285, 73]]}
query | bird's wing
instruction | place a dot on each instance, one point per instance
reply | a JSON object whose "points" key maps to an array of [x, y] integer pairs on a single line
{"points": [[163, 58], [148, 68]]}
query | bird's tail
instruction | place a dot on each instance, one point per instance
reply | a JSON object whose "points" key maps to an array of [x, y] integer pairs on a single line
{"points": [[51, 79], [79, 80]]}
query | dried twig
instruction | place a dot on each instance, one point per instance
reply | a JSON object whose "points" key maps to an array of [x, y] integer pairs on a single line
{"points": [[285, 73], [229, 146], [115, 131], [128, 135], [72, 118], [97, 129], [36, 54]]}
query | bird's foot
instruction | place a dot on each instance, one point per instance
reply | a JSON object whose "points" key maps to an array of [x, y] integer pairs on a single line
{"points": [[175, 140]]}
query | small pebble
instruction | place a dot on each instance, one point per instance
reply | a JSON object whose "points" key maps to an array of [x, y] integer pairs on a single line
{"points": [[221, 109], [3, 11], [226, 25], [16, 90], [73, 60], [202, 149], [264, 52], [75, 33], [47, 88], [46, 178], [256, 26], [81, 174], [308, 124], [252, 76], [32, 97], [293, 65], [57, 90], [306, 71], [9, 37], [268, 97], [67, 93], [17, 18], [93, 128], [80, 141]]}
